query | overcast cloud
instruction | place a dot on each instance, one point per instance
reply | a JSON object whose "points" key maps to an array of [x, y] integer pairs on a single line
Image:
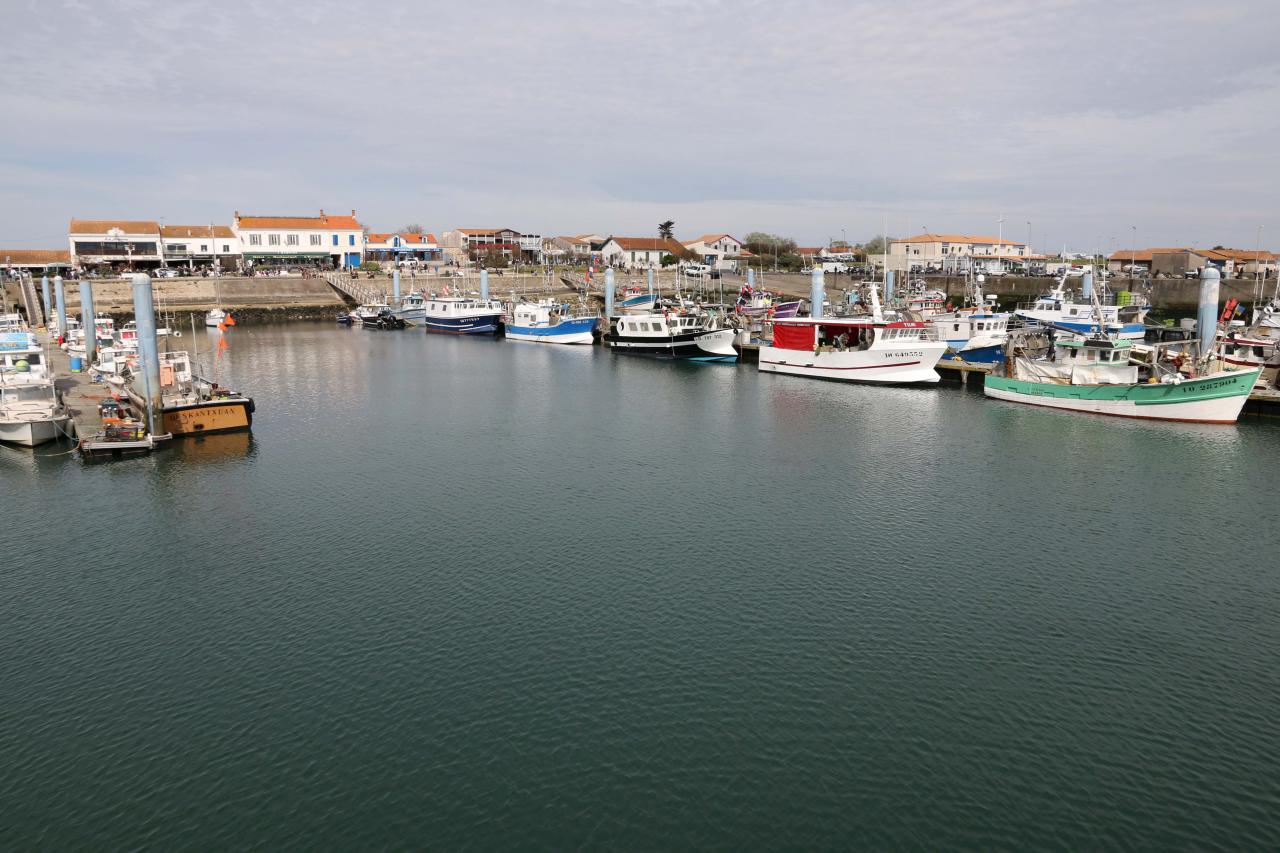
{"points": [[803, 118]]}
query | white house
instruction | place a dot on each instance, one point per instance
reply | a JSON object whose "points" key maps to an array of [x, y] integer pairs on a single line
{"points": [[323, 240], [115, 243], [639, 252], [718, 251], [935, 249], [203, 245]]}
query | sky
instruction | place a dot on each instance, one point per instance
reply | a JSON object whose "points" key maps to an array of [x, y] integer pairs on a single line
{"points": [[1088, 125]]}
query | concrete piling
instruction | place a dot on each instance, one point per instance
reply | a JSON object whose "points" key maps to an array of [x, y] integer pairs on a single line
{"points": [[651, 281], [61, 300], [608, 292], [484, 284], [148, 356], [1207, 310], [888, 288], [86, 322], [1086, 285], [44, 291], [817, 293], [751, 278], [395, 287]]}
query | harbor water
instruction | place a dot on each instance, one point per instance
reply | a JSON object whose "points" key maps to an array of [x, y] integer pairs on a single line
{"points": [[467, 593]]}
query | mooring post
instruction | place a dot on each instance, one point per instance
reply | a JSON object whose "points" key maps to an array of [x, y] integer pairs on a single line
{"points": [[651, 281], [61, 300], [1207, 313], [817, 293], [484, 285], [1086, 284], [44, 290], [888, 288], [608, 292], [395, 286], [86, 322], [144, 315]]}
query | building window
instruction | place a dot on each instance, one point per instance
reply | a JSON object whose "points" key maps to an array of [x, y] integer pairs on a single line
{"points": [[351, 239], [204, 247], [315, 239], [273, 239], [255, 239], [291, 239], [335, 239], [226, 247]]}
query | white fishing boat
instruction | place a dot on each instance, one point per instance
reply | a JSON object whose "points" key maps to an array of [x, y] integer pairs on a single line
{"points": [[30, 413], [1124, 314], [685, 334], [412, 309], [550, 322], [214, 317]]}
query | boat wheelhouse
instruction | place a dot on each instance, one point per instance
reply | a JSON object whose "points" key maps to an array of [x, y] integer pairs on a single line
{"points": [[691, 335], [854, 349], [412, 309], [972, 336], [30, 413], [462, 315]]}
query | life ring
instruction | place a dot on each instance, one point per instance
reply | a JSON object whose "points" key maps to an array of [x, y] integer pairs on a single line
{"points": [[177, 333]]}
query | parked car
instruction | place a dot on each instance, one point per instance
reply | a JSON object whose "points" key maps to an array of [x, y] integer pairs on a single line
{"points": [[167, 272], [697, 271]]}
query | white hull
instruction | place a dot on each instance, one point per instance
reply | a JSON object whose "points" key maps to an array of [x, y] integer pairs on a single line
{"points": [[573, 338], [1221, 410], [33, 433], [906, 364]]}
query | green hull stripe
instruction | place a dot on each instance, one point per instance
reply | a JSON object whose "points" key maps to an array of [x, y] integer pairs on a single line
{"points": [[1237, 384]]}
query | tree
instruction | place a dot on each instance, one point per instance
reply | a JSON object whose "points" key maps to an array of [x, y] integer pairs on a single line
{"points": [[666, 230], [763, 243], [413, 229], [877, 245]]}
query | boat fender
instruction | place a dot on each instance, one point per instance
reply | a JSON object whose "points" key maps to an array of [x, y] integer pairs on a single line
{"points": [[177, 333], [250, 407]]}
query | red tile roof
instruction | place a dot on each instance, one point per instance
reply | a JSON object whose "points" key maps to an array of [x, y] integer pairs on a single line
{"points": [[102, 226], [299, 223], [957, 238], [634, 244], [172, 231], [31, 257]]}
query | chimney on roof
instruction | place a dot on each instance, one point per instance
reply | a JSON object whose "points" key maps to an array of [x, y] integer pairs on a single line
{"points": [[353, 212], [237, 214], [322, 213]]}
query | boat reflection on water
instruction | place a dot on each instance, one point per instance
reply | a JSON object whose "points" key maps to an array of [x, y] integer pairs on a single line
{"points": [[215, 447]]}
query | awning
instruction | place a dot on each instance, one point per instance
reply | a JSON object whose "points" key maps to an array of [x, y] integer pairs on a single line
{"points": [[287, 256]]}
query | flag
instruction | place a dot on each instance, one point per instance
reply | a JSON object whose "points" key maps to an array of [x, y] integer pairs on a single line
{"points": [[230, 321]]}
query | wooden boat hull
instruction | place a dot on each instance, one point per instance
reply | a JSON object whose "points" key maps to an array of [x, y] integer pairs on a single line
{"points": [[208, 416]]}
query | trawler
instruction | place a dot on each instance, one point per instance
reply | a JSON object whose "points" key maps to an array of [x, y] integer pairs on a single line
{"points": [[192, 405]]}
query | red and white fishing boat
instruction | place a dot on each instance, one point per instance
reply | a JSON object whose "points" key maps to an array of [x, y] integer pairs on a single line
{"points": [[854, 349]]}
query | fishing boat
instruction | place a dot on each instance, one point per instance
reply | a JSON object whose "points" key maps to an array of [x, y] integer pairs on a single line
{"points": [[30, 413], [1123, 314], [214, 317], [1096, 374], [462, 315], [854, 349], [549, 322], [685, 334], [192, 405], [898, 349], [759, 304], [636, 301], [976, 333], [412, 309], [386, 319], [104, 336]]}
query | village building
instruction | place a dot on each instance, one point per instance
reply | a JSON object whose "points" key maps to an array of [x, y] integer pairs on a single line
{"points": [[473, 244], [641, 252], [318, 241], [192, 246], [719, 251], [35, 261], [405, 246], [115, 245], [942, 250]]}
